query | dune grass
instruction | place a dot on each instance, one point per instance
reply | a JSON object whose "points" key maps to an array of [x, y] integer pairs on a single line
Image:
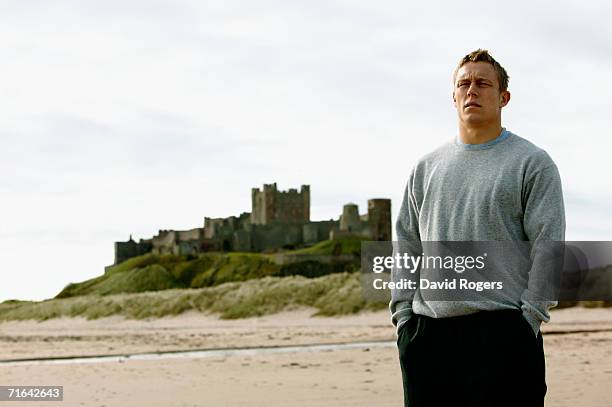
{"points": [[335, 294]]}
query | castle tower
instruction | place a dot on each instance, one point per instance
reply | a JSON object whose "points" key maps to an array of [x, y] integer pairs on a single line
{"points": [[263, 204], [273, 206], [379, 219], [349, 220]]}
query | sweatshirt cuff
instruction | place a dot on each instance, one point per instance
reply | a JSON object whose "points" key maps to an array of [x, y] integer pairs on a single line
{"points": [[401, 315], [535, 309]]}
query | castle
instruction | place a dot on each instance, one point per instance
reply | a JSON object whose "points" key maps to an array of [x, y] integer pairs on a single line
{"points": [[278, 220]]}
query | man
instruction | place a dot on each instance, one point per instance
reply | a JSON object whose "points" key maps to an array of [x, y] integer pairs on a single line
{"points": [[486, 185]]}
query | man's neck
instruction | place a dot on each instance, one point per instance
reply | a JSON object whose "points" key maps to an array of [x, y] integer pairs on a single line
{"points": [[479, 135]]}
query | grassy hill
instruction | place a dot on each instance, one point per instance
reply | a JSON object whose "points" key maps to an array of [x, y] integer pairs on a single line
{"points": [[152, 272], [232, 285]]}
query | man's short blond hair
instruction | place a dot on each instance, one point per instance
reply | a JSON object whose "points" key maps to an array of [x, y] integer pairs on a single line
{"points": [[482, 55]]}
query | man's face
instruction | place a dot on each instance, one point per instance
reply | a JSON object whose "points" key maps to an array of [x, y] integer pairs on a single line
{"points": [[477, 96]]}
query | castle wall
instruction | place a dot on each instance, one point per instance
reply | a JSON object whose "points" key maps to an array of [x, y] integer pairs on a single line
{"points": [[192, 234], [215, 228], [164, 241], [314, 232], [242, 241], [125, 250], [188, 247], [273, 237], [178, 242], [129, 249]]}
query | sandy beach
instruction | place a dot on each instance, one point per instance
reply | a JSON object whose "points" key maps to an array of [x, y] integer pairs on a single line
{"points": [[578, 344]]}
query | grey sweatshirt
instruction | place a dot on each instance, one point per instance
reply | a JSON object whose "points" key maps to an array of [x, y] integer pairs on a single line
{"points": [[504, 190]]}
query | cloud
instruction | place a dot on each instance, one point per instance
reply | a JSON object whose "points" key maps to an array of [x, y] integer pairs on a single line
{"points": [[128, 117]]}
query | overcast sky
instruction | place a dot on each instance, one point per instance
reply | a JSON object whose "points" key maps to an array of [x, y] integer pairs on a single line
{"points": [[125, 117]]}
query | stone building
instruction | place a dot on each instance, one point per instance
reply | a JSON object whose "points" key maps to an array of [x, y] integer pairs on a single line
{"points": [[129, 249], [279, 220], [270, 206], [375, 225], [178, 241]]}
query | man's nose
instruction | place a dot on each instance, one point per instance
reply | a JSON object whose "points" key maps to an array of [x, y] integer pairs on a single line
{"points": [[472, 90]]}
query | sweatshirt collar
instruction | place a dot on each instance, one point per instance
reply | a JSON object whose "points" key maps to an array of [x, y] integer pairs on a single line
{"points": [[502, 136]]}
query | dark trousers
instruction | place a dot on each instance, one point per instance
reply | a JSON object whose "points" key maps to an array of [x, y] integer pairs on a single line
{"points": [[491, 358]]}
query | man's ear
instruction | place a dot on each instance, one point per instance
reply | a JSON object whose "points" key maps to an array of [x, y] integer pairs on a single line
{"points": [[504, 99], [454, 99]]}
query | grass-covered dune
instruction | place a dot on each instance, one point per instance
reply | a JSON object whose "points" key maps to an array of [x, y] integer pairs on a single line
{"points": [[233, 285], [334, 294], [152, 272]]}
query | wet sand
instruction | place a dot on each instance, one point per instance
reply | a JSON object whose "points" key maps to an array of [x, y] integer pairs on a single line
{"points": [[579, 364]]}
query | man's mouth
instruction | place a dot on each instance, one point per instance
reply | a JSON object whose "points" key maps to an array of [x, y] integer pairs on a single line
{"points": [[471, 104]]}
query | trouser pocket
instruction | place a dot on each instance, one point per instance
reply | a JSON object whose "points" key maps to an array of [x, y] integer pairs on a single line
{"points": [[411, 331]]}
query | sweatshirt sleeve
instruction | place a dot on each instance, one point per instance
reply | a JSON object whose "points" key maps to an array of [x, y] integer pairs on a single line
{"points": [[408, 240], [544, 226]]}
